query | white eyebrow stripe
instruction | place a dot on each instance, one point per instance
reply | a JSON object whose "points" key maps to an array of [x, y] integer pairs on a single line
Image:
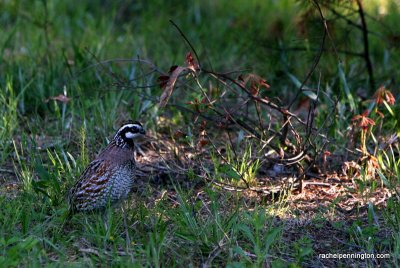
{"points": [[128, 126]]}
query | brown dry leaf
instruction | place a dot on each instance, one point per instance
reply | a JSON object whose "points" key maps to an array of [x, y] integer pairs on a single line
{"points": [[201, 143], [351, 169], [178, 134], [170, 83], [167, 82], [256, 82], [61, 98]]}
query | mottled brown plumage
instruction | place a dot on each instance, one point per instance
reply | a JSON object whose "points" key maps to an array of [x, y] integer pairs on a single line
{"points": [[109, 178]]}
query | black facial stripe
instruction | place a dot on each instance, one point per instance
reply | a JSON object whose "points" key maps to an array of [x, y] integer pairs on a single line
{"points": [[124, 131]]}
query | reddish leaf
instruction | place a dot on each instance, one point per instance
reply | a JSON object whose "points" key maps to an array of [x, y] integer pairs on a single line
{"points": [[255, 81], [195, 102], [61, 98], [327, 153], [202, 142], [363, 121], [191, 62], [383, 94]]}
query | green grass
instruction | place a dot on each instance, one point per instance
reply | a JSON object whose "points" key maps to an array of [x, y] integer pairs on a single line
{"points": [[52, 48]]}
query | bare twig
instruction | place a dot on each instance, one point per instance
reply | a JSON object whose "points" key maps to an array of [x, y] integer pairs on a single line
{"points": [[187, 41], [366, 46], [120, 80], [349, 21], [317, 57]]}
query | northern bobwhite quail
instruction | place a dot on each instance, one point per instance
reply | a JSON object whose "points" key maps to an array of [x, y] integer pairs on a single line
{"points": [[109, 178]]}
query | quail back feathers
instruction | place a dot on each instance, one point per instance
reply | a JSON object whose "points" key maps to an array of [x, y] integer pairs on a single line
{"points": [[109, 178]]}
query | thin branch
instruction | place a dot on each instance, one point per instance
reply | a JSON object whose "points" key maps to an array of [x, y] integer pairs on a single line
{"points": [[366, 46], [187, 41], [317, 57], [264, 101], [350, 22], [119, 79]]}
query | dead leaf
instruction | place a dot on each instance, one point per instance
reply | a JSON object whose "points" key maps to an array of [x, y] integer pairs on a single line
{"points": [[61, 98], [179, 134], [201, 143], [191, 63], [169, 83], [256, 82]]}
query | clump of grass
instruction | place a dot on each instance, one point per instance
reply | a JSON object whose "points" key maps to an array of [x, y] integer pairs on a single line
{"points": [[234, 168]]}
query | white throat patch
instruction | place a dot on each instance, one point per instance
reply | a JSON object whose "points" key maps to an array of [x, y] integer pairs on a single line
{"points": [[130, 135]]}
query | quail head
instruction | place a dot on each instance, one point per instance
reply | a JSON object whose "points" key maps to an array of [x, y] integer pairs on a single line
{"points": [[109, 178]]}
